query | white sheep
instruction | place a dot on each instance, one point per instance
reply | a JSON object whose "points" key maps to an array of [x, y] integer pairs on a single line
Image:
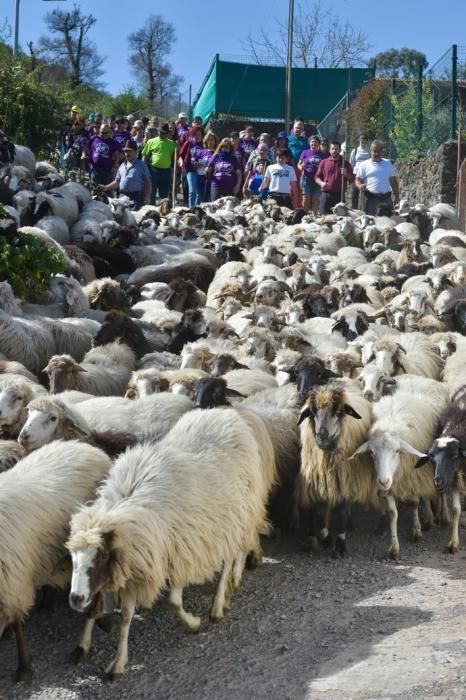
{"points": [[411, 353], [37, 498], [404, 426], [56, 227], [15, 394], [454, 371], [150, 416], [178, 512], [104, 371]]}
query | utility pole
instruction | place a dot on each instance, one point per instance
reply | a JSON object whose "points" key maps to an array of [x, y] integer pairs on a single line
{"points": [[289, 65]]}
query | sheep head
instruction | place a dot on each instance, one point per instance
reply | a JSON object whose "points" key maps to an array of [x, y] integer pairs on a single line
{"points": [[63, 372], [388, 355], [145, 382], [13, 401], [49, 419], [326, 409]]}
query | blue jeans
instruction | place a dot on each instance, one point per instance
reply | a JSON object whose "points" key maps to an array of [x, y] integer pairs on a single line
{"points": [[160, 182], [194, 189]]}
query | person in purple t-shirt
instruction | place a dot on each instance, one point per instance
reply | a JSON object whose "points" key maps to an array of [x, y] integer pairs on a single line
{"points": [[224, 171], [308, 164], [248, 143], [210, 143], [189, 162], [104, 156], [121, 135]]}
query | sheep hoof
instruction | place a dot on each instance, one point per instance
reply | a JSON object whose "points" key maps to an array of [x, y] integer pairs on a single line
{"points": [[392, 552], [451, 548], [113, 676], [216, 615], [311, 544], [78, 655], [23, 676], [192, 623], [105, 623]]}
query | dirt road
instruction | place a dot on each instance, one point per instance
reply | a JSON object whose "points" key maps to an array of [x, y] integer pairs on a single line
{"points": [[301, 627]]}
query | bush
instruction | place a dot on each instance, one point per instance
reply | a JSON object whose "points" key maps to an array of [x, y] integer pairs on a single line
{"points": [[28, 264]]}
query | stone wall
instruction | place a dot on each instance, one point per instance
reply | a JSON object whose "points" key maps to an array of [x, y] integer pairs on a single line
{"points": [[431, 179]]}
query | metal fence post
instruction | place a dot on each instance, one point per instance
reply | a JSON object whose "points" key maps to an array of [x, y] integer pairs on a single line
{"points": [[454, 88], [419, 124]]}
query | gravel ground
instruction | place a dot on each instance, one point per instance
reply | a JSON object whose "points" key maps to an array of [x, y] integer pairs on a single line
{"points": [[303, 626]]}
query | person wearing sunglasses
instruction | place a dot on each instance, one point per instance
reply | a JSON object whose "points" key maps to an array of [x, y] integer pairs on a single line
{"points": [[104, 156]]}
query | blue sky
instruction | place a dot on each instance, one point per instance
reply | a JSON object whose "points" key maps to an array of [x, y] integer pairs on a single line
{"points": [[205, 28]]}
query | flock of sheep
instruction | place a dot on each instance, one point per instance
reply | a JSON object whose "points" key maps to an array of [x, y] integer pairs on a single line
{"points": [[199, 376]]}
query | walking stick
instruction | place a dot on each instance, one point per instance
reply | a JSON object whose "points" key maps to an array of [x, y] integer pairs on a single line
{"points": [[174, 178], [342, 189]]}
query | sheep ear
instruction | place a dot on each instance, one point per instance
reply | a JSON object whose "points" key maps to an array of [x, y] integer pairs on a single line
{"points": [[328, 374], [71, 297], [70, 422], [306, 413], [78, 368], [422, 461], [410, 449], [401, 348], [232, 393], [337, 326], [365, 447], [349, 410]]}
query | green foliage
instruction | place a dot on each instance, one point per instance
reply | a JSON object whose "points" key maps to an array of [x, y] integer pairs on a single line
{"points": [[366, 112], [30, 111], [399, 63], [129, 102], [29, 265], [404, 133]]}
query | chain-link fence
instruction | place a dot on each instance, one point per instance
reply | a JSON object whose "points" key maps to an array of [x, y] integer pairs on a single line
{"points": [[332, 126]]}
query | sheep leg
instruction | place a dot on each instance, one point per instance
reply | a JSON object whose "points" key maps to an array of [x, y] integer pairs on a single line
{"points": [[218, 606], [116, 668], [417, 530], [428, 520], [191, 622], [237, 571], [323, 514], [342, 515], [393, 550], [454, 542], [24, 670], [82, 650], [445, 517]]}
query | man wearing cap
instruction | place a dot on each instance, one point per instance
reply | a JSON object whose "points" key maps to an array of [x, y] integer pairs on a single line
{"points": [[132, 178], [74, 112], [158, 154]]}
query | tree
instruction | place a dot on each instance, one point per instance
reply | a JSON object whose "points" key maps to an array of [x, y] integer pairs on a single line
{"points": [[319, 37], [128, 102], [69, 44], [399, 63], [148, 48], [366, 113]]}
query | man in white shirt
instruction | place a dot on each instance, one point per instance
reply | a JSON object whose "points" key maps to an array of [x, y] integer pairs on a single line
{"points": [[281, 180], [377, 178]]}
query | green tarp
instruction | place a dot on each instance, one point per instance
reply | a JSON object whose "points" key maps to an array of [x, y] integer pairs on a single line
{"points": [[253, 91]]}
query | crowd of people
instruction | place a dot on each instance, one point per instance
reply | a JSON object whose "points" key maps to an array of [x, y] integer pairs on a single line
{"points": [[147, 161]]}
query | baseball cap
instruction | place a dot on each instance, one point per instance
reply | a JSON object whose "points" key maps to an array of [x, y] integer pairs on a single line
{"points": [[130, 117], [138, 122], [74, 108], [182, 115], [282, 135]]}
